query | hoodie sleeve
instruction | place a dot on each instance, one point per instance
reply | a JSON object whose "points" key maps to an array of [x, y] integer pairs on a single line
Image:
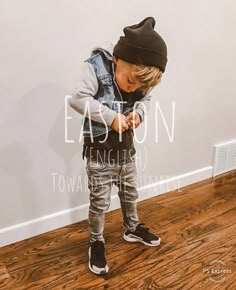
{"points": [[86, 90], [143, 106]]}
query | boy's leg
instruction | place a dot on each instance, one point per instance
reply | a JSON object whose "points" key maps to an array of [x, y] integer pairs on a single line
{"points": [[135, 231], [128, 194], [99, 184]]}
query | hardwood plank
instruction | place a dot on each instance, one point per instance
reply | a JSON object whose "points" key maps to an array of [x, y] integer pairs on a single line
{"points": [[3, 272]]}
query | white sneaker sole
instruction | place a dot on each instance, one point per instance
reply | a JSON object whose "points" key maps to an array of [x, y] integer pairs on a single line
{"points": [[133, 240], [101, 272]]}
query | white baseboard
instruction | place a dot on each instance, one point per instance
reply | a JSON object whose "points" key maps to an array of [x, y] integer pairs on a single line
{"points": [[63, 218]]}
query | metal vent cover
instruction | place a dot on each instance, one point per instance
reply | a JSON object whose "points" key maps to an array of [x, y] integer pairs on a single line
{"points": [[224, 158]]}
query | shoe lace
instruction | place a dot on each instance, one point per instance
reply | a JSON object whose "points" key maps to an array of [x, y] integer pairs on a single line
{"points": [[99, 249], [143, 228]]}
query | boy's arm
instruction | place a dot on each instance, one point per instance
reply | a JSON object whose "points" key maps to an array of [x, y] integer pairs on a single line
{"points": [[145, 103], [87, 89]]}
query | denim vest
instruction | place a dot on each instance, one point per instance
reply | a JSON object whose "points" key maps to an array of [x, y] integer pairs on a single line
{"points": [[108, 92]]}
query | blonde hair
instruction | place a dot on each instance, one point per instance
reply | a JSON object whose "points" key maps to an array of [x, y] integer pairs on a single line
{"points": [[149, 76]]}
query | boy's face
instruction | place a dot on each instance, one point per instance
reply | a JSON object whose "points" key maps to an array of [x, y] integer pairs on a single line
{"points": [[124, 77]]}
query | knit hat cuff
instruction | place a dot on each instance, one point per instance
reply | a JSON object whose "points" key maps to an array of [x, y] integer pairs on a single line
{"points": [[140, 55]]}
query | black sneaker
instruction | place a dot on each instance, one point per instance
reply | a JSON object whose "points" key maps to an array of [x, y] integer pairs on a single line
{"points": [[142, 235], [97, 259]]}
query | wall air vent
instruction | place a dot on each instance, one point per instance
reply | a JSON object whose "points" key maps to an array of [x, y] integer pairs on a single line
{"points": [[224, 158]]}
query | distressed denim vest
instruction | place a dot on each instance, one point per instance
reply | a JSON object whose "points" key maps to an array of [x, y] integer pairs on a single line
{"points": [[108, 92]]}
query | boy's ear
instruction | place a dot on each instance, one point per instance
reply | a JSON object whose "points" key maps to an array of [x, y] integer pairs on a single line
{"points": [[114, 59]]}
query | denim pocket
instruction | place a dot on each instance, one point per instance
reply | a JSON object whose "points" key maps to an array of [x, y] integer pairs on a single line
{"points": [[106, 80], [95, 164]]}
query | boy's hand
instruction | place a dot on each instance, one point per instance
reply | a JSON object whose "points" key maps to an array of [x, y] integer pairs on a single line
{"points": [[133, 120], [119, 123]]}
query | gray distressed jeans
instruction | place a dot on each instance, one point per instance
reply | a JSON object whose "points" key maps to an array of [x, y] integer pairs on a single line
{"points": [[101, 176]]}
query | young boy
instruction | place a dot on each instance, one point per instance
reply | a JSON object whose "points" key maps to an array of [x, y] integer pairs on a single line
{"points": [[113, 92]]}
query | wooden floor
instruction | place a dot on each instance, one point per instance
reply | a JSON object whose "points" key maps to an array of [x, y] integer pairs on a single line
{"points": [[198, 230]]}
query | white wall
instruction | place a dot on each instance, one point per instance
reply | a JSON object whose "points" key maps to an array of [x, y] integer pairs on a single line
{"points": [[42, 46]]}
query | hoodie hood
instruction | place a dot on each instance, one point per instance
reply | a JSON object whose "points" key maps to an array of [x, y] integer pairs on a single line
{"points": [[107, 46]]}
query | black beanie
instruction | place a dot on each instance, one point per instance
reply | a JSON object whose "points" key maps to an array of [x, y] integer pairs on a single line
{"points": [[142, 45]]}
